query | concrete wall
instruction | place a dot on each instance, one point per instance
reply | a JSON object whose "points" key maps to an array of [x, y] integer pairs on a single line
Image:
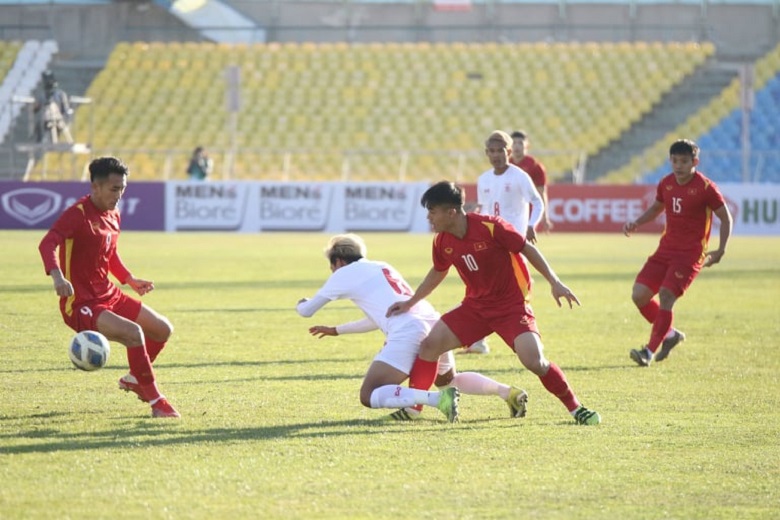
{"points": [[91, 31]]}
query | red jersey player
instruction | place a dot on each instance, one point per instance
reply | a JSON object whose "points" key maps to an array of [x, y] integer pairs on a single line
{"points": [[534, 169], [485, 251], [689, 199], [86, 236]]}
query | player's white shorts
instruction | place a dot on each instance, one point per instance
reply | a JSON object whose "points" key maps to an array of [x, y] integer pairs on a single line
{"points": [[403, 344]]}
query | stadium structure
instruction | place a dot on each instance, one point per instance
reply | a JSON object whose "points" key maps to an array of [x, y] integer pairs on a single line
{"points": [[394, 90]]}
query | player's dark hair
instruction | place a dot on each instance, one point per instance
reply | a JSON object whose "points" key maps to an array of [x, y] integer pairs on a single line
{"points": [[102, 167], [444, 193], [340, 255], [519, 134], [684, 147]]}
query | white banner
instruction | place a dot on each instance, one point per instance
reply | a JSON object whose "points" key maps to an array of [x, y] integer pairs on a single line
{"points": [[295, 206], [205, 205], [754, 207], [291, 206]]}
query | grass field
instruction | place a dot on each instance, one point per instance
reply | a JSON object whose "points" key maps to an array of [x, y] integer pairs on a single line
{"points": [[272, 426]]}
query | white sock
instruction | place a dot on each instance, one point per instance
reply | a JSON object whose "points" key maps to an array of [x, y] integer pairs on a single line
{"points": [[474, 383], [394, 396], [670, 333]]}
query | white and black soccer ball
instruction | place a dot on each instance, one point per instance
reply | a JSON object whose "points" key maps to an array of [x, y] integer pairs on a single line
{"points": [[89, 350]]}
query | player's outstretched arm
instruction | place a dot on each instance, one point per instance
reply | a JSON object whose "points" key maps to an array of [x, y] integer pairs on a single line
{"points": [[559, 290], [62, 286], [320, 331], [649, 215], [713, 257], [307, 307], [50, 242], [140, 286], [353, 327]]}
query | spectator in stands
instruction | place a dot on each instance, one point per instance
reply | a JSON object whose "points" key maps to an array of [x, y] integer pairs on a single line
{"points": [[490, 257], [689, 199], [200, 165], [53, 111], [374, 286], [534, 169], [506, 191]]}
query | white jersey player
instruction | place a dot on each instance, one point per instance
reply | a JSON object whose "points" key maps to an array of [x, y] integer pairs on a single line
{"points": [[509, 194], [374, 286]]}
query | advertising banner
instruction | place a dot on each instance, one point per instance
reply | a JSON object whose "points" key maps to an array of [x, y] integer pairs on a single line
{"points": [[600, 208], [343, 206], [295, 206], [379, 207], [25, 205], [755, 208], [215, 206], [286, 206]]}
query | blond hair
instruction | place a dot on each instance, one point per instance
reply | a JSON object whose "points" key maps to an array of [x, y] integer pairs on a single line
{"points": [[348, 247], [499, 136]]}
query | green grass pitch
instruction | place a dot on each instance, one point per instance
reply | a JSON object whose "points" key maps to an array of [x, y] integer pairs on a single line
{"points": [[272, 426]]}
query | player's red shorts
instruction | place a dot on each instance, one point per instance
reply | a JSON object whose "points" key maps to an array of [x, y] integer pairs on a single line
{"points": [[84, 316], [672, 271], [471, 322]]}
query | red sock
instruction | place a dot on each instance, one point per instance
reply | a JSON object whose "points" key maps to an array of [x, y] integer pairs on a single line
{"points": [[140, 366], [423, 375], [661, 327], [555, 383], [650, 311], [153, 349]]}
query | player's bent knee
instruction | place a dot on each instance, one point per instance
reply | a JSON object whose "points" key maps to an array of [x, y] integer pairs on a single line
{"points": [[641, 295], [166, 330]]}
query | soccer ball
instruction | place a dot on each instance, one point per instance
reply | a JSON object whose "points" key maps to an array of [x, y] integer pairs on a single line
{"points": [[89, 350]]}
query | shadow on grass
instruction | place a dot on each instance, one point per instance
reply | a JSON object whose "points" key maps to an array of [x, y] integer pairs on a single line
{"points": [[185, 310], [214, 364], [597, 368], [157, 432], [264, 377]]}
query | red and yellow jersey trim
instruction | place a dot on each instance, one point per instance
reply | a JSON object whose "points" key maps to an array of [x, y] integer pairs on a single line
{"points": [[68, 250]]}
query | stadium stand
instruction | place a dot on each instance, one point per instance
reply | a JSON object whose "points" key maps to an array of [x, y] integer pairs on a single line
{"points": [[8, 53], [21, 65], [717, 130], [314, 110]]}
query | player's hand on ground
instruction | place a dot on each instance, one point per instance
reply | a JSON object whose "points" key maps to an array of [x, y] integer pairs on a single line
{"points": [[320, 331], [140, 286], [712, 258], [561, 291], [629, 227], [397, 308]]}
